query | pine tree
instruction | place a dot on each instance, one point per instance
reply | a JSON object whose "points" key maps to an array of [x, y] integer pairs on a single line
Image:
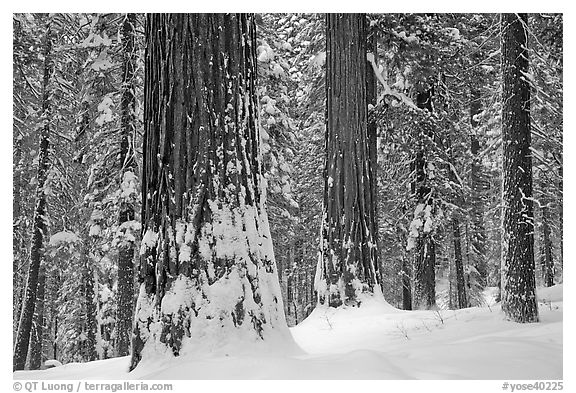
{"points": [[127, 163], [348, 261], [425, 251], [40, 224], [205, 229], [518, 278]]}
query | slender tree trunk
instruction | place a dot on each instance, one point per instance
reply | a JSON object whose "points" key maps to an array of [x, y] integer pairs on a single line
{"points": [[90, 323], [425, 260], [561, 215], [478, 185], [518, 277], [37, 337], [348, 263], [205, 228], [17, 236], [371, 98], [406, 285], [40, 225], [546, 255], [458, 264], [126, 247]]}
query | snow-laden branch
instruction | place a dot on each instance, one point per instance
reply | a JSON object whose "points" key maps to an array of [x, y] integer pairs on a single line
{"points": [[387, 90]]}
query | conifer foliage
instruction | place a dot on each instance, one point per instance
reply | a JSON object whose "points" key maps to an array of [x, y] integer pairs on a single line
{"points": [[182, 182]]}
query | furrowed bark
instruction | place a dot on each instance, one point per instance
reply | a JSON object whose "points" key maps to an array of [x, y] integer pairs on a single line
{"points": [[518, 277], [204, 221], [348, 261]]}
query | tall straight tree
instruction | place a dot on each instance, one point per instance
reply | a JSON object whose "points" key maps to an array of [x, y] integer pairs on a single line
{"points": [[39, 224], [207, 264], [518, 277], [478, 186], [348, 265], [127, 213], [424, 296]]}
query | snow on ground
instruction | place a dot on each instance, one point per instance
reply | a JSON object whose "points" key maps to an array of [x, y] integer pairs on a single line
{"points": [[375, 341]]}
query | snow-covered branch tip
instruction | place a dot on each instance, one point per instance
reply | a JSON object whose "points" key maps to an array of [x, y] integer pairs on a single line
{"points": [[387, 90]]}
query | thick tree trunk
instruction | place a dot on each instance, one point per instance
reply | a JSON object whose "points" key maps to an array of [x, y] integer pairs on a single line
{"points": [[348, 260], [207, 265], [518, 277], [424, 296], [37, 337], [126, 247], [39, 225]]}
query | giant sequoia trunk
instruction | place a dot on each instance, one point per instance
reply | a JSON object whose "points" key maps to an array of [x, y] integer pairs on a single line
{"points": [[126, 248], [208, 274], [39, 224], [518, 277], [424, 296], [348, 264]]}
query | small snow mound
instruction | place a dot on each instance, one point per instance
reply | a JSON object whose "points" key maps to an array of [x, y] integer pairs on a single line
{"points": [[50, 363], [370, 305], [490, 295], [550, 294], [64, 237]]}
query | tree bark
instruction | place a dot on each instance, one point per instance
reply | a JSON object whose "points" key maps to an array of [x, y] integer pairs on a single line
{"points": [[39, 224], [546, 254], [371, 99], [458, 264], [478, 185], [90, 323], [205, 228], [37, 338], [424, 296], [126, 214], [518, 276], [406, 286], [348, 262]]}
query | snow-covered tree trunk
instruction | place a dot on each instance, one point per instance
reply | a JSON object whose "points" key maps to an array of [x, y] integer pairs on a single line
{"points": [[424, 296], [518, 277], [89, 299], [371, 99], [348, 253], [39, 223], [478, 186], [124, 316], [546, 254], [208, 275]]}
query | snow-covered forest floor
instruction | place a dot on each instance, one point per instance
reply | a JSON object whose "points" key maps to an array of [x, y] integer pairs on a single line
{"points": [[375, 341]]}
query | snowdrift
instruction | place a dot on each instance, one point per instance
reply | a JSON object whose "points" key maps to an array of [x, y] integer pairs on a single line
{"points": [[375, 341]]}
